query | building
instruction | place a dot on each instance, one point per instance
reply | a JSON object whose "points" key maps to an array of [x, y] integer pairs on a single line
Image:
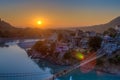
{"points": [[110, 48], [84, 43], [61, 48], [77, 38], [90, 33], [53, 38], [117, 28]]}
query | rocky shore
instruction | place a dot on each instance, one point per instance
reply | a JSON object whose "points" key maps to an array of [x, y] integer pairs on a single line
{"points": [[52, 59], [109, 64], [103, 64], [115, 70]]}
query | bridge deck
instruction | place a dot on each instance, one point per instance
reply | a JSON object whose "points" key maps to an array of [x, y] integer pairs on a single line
{"points": [[99, 53]]}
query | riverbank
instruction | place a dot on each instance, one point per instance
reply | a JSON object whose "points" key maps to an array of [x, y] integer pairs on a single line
{"points": [[114, 70], [109, 64], [16, 38], [52, 59], [102, 65], [104, 68]]}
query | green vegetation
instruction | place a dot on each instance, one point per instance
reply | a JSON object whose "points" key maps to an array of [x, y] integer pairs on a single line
{"points": [[47, 51], [21, 33], [115, 60], [111, 32], [67, 55], [94, 43], [100, 62], [41, 47]]}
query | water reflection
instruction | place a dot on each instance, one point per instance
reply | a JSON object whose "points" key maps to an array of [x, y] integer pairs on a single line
{"points": [[2, 44], [44, 64], [75, 75], [16, 65]]}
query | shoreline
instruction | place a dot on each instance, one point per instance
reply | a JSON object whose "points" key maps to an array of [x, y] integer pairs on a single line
{"points": [[101, 69], [49, 59], [17, 38]]}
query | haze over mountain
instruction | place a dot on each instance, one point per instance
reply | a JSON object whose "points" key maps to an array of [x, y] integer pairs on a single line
{"points": [[102, 27], [5, 25], [9, 31], [98, 28]]}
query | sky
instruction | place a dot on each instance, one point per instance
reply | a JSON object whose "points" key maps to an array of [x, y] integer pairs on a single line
{"points": [[58, 13]]}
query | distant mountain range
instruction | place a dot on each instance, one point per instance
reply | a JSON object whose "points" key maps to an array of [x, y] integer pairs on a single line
{"points": [[102, 27], [9, 31], [98, 28]]}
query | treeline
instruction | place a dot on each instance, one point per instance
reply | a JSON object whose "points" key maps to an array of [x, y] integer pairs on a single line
{"points": [[21, 33]]}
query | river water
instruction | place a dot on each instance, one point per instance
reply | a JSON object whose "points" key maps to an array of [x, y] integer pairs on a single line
{"points": [[16, 65]]}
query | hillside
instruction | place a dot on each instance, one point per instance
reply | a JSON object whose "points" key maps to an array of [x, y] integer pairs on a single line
{"points": [[102, 27], [5, 25], [98, 28], [9, 31]]}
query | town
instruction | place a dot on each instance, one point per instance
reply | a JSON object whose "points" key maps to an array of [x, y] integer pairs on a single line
{"points": [[59, 39], [61, 47]]}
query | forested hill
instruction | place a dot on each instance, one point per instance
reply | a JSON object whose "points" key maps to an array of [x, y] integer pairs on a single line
{"points": [[9, 31]]}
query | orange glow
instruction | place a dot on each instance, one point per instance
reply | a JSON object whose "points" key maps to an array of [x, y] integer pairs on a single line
{"points": [[39, 22], [89, 66]]}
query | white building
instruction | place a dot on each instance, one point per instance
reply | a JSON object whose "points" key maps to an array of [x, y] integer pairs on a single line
{"points": [[117, 28], [84, 43], [110, 48], [90, 33], [53, 38], [62, 48]]}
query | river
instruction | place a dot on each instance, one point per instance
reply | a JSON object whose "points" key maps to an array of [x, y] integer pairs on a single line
{"points": [[16, 65]]}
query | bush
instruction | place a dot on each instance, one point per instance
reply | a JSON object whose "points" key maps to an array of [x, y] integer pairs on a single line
{"points": [[41, 47], [111, 32], [67, 55], [95, 43], [100, 62]]}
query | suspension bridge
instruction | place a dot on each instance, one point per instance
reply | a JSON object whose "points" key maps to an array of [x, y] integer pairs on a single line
{"points": [[101, 52]]}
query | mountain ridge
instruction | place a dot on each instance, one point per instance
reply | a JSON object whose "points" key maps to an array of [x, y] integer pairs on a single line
{"points": [[102, 27], [98, 28], [5, 25]]}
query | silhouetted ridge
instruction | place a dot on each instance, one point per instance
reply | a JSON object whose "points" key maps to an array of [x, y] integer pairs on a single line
{"points": [[5, 25], [102, 27], [115, 21]]}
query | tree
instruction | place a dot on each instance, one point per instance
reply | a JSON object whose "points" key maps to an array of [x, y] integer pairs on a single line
{"points": [[60, 36], [95, 43], [111, 32], [67, 55], [41, 47]]}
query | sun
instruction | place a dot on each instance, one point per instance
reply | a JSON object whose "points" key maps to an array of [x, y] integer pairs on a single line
{"points": [[39, 22]]}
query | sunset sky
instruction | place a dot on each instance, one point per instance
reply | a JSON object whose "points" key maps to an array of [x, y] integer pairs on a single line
{"points": [[58, 13]]}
